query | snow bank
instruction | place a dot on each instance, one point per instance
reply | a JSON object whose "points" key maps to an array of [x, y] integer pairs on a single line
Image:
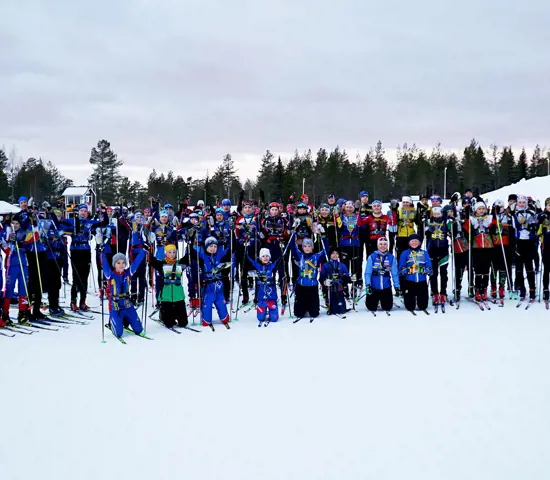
{"points": [[538, 188]]}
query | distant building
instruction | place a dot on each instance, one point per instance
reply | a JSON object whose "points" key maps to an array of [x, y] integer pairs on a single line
{"points": [[75, 196]]}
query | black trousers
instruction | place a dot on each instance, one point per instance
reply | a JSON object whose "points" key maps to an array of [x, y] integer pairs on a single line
{"points": [[481, 259], [37, 281], [173, 312], [440, 272], [525, 258], [415, 294], [52, 279], [384, 298], [81, 260], [306, 301]]}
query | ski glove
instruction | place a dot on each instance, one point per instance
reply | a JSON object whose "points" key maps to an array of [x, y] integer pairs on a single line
{"points": [[368, 290], [328, 282], [398, 292], [296, 223], [354, 278]]}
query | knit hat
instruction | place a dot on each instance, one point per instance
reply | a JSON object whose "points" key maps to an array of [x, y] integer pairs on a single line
{"points": [[119, 256], [307, 242], [364, 193], [547, 201], [480, 203], [264, 252], [22, 199], [226, 202], [382, 240], [437, 210], [83, 205], [219, 210], [512, 197], [334, 249], [163, 213], [210, 241], [324, 205], [376, 202], [349, 203], [170, 248], [414, 236], [406, 198]]}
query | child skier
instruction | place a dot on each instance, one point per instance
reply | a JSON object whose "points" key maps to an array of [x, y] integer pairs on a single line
{"points": [[212, 278], [381, 271], [438, 248], [121, 308], [544, 234], [307, 286], [481, 229], [266, 288], [334, 276], [414, 266], [171, 300]]}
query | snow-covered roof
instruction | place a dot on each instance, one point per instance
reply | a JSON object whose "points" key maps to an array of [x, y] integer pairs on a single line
{"points": [[76, 191]]}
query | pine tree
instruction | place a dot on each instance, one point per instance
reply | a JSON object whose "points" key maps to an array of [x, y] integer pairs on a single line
{"points": [[382, 181], [278, 181], [507, 173], [537, 167], [438, 162], [59, 182], [522, 166], [4, 181], [106, 175], [493, 160], [264, 180], [34, 180]]}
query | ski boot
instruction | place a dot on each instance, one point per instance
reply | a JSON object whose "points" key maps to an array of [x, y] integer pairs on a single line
{"points": [[37, 315], [83, 307], [532, 294], [493, 292], [74, 307], [484, 294], [56, 311], [6, 320], [435, 299], [478, 296], [23, 317]]}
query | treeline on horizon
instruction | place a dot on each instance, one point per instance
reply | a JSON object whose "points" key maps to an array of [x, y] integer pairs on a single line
{"points": [[415, 172]]}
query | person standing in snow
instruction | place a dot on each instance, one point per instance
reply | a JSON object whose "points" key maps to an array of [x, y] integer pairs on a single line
{"points": [[414, 267], [121, 308], [544, 235], [335, 277], [381, 271], [481, 228], [213, 262], [266, 288], [437, 232], [525, 225], [171, 300], [307, 287]]}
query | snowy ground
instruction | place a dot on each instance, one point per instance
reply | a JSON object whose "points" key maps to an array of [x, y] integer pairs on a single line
{"points": [[463, 395]]}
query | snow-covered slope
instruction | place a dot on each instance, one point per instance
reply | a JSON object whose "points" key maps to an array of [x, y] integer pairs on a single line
{"points": [[538, 188], [454, 396]]}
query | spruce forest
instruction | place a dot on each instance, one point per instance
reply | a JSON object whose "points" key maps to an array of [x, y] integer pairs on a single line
{"points": [[415, 172]]}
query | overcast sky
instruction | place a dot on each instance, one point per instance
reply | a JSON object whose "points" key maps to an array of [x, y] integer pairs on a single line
{"points": [[175, 84]]}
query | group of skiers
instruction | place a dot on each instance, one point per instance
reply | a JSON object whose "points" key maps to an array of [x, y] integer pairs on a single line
{"points": [[296, 253]]}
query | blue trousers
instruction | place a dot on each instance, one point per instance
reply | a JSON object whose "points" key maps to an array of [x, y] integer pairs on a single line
{"points": [[117, 318], [16, 275], [265, 306], [214, 298]]}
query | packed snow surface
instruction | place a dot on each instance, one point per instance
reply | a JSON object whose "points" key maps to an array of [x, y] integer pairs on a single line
{"points": [[464, 395]]}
